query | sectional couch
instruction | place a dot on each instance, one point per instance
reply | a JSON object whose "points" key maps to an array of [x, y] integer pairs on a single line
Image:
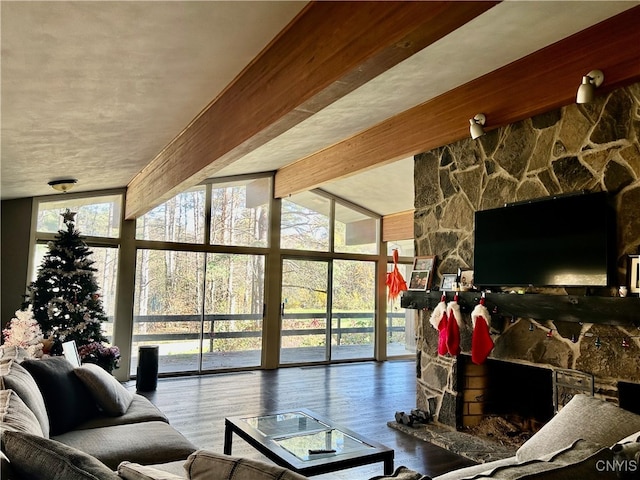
{"points": [[61, 422]]}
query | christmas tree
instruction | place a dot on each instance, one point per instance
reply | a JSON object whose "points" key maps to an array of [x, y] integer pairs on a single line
{"points": [[64, 297]]}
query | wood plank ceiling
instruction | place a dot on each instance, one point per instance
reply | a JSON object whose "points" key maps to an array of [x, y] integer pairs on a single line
{"points": [[540, 82], [296, 76]]}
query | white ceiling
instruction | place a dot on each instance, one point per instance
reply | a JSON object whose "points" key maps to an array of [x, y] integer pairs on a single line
{"points": [[95, 90]]}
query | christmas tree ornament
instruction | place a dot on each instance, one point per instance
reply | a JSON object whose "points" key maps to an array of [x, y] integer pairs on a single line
{"points": [[438, 320], [481, 342], [454, 323], [395, 281]]}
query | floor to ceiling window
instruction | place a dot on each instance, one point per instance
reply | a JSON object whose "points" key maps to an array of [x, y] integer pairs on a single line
{"points": [[97, 218], [234, 305], [328, 280], [202, 276]]}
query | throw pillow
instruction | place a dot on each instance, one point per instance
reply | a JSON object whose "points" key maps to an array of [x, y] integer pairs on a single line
{"points": [[135, 471], [584, 417], [69, 403], [31, 457], [111, 396], [206, 465], [13, 376], [14, 415]]}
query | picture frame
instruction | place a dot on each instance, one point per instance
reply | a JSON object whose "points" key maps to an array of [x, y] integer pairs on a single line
{"points": [[424, 262], [466, 280], [448, 283], [634, 274], [70, 352], [420, 280]]}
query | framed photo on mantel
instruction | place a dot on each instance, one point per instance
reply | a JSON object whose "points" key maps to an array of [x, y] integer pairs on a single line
{"points": [[422, 273], [634, 274], [419, 280], [449, 282]]}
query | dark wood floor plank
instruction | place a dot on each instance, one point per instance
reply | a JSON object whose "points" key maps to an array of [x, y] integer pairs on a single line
{"points": [[361, 396]]}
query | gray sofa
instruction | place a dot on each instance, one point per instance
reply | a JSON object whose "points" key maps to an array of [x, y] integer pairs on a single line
{"points": [[589, 438], [60, 422], [50, 408]]}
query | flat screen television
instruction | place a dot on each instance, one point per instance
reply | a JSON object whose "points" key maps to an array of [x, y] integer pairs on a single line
{"points": [[559, 241]]}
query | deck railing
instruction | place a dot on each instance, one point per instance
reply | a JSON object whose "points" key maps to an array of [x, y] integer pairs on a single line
{"points": [[213, 319]]}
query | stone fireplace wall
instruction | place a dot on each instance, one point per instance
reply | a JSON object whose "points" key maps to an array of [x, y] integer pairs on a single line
{"points": [[579, 147]]}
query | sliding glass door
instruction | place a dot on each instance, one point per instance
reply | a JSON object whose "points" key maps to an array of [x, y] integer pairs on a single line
{"points": [[304, 310]]}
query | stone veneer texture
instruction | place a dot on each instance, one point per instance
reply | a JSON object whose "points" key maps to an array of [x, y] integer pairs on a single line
{"points": [[579, 147]]}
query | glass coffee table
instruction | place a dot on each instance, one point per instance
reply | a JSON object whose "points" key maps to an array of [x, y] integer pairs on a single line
{"points": [[306, 443]]}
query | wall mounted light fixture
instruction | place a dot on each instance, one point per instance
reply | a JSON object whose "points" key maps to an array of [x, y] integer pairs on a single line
{"points": [[476, 123], [586, 90], [63, 185]]}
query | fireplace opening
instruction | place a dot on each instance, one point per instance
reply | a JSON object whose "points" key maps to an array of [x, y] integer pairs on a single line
{"points": [[628, 394], [505, 401]]}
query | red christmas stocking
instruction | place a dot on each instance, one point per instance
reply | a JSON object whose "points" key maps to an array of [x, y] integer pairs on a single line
{"points": [[453, 327], [481, 343], [439, 321]]}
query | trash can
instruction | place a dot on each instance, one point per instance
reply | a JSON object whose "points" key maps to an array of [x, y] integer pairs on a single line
{"points": [[147, 374]]}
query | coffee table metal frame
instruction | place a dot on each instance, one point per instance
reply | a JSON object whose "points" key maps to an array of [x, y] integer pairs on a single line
{"points": [[271, 449]]}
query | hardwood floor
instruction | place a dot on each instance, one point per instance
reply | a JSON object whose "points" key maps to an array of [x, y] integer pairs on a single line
{"points": [[361, 396]]}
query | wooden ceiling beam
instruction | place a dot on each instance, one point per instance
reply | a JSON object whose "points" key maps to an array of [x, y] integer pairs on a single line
{"points": [[329, 49], [537, 83], [398, 226]]}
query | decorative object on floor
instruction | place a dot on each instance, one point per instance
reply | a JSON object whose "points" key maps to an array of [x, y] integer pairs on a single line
{"points": [[416, 416], [454, 322], [147, 371], [65, 300], [439, 321], [23, 331], [404, 419], [401, 473], [395, 280], [587, 89], [481, 342]]}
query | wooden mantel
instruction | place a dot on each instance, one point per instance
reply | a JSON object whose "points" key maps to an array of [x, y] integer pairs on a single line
{"points": [[568, 308]]}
